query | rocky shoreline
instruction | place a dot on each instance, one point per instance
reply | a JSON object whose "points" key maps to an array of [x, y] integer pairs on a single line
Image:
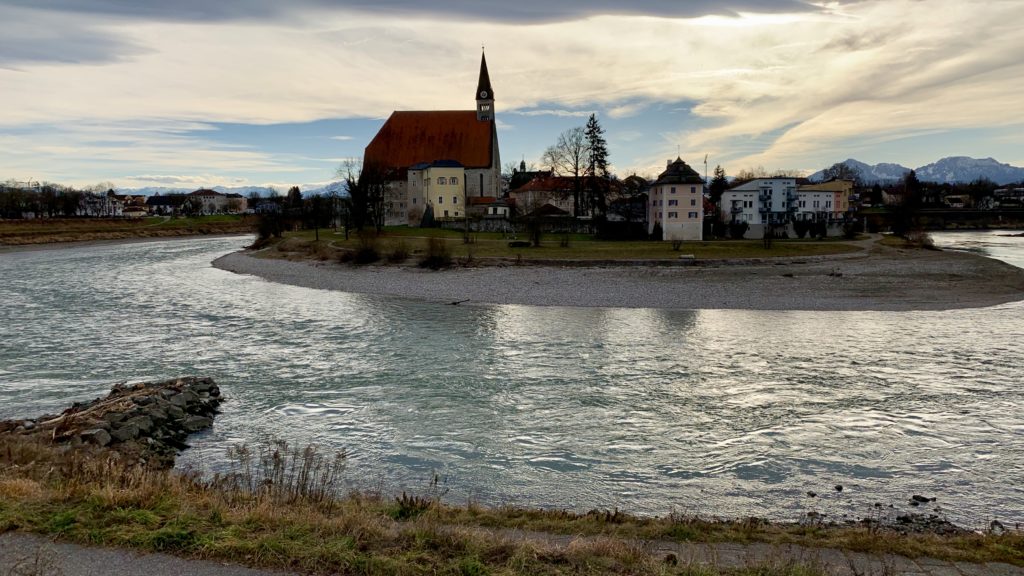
{"points": [[145, 422]]}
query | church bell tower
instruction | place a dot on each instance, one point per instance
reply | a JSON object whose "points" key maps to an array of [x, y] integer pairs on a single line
{"points": [[484, 94]]}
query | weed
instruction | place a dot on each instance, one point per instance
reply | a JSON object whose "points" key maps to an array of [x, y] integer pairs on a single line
{"points": [[399, 252], [438, 255]]}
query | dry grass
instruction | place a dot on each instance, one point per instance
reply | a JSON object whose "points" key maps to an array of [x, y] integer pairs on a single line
{"points": [[280, 507]]}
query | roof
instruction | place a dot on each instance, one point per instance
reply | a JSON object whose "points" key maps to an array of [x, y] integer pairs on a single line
{"points": [[679, 172], [205, 192], [547, 184], [475, 200], [408, 138], [484, 84]]}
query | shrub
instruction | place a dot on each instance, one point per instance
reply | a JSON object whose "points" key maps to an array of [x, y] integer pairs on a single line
{"points": [[657, 233], [738, 229], [438, 255], [920, 239], [399, 252], [367, 252], [676, 245], [850, 230]]}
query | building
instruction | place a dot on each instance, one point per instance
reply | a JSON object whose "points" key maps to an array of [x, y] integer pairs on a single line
{"points": [[760, 202], [411, 143], [824, 201], [206, 201], [676, 203], [541, 191]]}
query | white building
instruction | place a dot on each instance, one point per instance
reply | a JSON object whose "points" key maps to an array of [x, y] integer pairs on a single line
{"points": [[676, 203], [760, 202]]}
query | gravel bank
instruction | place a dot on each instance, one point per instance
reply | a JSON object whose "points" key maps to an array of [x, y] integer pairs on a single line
{"points": [[881, 279]]}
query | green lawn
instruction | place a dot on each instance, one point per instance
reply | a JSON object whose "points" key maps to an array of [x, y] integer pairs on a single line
{"points": [[580, 247]]}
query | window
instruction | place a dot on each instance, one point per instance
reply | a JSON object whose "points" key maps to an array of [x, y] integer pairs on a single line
{"points": [[673, 214], [693, 201], [445, 213], [673, 189], [453, 180], [654, 202], [440, 200], [673, 202], [692, 215], [414, 200], [455, 199], [441, 180], [693, 189]]}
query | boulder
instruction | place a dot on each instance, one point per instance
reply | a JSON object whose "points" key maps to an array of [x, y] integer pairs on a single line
{"points": [[143, 423], [97, 436], [196, 423], [125, 433]]}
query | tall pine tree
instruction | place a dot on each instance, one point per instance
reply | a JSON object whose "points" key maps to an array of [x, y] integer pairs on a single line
{"points": [[597, 167]]}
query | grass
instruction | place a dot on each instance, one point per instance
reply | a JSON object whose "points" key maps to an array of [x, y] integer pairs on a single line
{"points": [[17, 232], [579, 247], [281, 507]]}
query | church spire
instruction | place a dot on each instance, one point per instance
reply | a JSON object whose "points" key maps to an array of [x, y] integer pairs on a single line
{"points": [[484, 93]]}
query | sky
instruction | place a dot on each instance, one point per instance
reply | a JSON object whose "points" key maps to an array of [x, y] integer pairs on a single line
{"points": [[195, 93]]}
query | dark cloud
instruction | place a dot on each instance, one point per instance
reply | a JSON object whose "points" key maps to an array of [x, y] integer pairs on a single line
{"points": [[46, 37], [519, 11]]}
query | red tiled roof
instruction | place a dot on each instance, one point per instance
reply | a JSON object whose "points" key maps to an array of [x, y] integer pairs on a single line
{"points": [[548, 184], [474, 200], [408, 138]]}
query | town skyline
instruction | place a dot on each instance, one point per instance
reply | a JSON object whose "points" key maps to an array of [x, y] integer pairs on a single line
{"points": [[245, 94]]}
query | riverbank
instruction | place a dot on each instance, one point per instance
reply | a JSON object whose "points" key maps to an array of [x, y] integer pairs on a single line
{"points": [[878, 277], [63, 232], [280, 507]]}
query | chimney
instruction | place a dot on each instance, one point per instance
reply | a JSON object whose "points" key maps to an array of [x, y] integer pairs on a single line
{"points": [[668, 163]]}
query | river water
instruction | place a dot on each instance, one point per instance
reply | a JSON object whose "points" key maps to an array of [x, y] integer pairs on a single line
{"points": [[721, 413]]}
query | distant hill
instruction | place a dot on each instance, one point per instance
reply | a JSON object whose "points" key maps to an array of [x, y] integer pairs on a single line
{"points": [[338, 187], [955, 169], [963, 169]]}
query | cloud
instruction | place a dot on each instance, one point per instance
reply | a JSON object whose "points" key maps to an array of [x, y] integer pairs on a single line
{"points": [[47, 37], [342, 138], [552, 112], [523, 11]]}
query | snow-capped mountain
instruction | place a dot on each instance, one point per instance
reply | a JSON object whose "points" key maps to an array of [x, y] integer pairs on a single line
{"points": [[881, 173], [955, 169], [963, 170]]}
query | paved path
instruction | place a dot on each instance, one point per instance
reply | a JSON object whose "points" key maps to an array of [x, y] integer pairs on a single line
{"points": [[26, 554]]}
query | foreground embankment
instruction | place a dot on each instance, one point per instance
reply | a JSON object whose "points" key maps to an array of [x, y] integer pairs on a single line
{"points": [[28, 233], [83, 476], [881, 278]]}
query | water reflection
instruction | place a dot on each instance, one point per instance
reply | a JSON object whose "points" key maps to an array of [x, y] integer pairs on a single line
{"points": [[739, 411]]}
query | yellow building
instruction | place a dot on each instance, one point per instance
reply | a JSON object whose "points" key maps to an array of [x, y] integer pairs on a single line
{"points": [[443, 188]]}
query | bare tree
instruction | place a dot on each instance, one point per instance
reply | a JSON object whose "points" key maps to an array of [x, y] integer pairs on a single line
{"points": [[568, 157]]}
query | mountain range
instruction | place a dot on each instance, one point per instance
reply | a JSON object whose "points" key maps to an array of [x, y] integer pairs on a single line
{"points": [[951, 170], [243, 190]]}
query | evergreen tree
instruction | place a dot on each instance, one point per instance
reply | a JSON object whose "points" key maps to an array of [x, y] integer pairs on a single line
{"points": [[719, 184], [597, 166]]}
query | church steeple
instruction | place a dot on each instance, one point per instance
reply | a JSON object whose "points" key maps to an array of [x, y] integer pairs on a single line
{"points": [[484, 93]]}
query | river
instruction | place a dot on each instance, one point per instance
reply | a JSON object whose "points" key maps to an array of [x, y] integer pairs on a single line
{"points": [[721, 413]]}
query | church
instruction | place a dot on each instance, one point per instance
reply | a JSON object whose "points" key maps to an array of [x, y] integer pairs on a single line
{"points": [[436, 160]]}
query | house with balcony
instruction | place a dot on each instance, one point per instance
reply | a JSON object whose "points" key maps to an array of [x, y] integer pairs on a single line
{"points": [[824, 201], [760, 202]]}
